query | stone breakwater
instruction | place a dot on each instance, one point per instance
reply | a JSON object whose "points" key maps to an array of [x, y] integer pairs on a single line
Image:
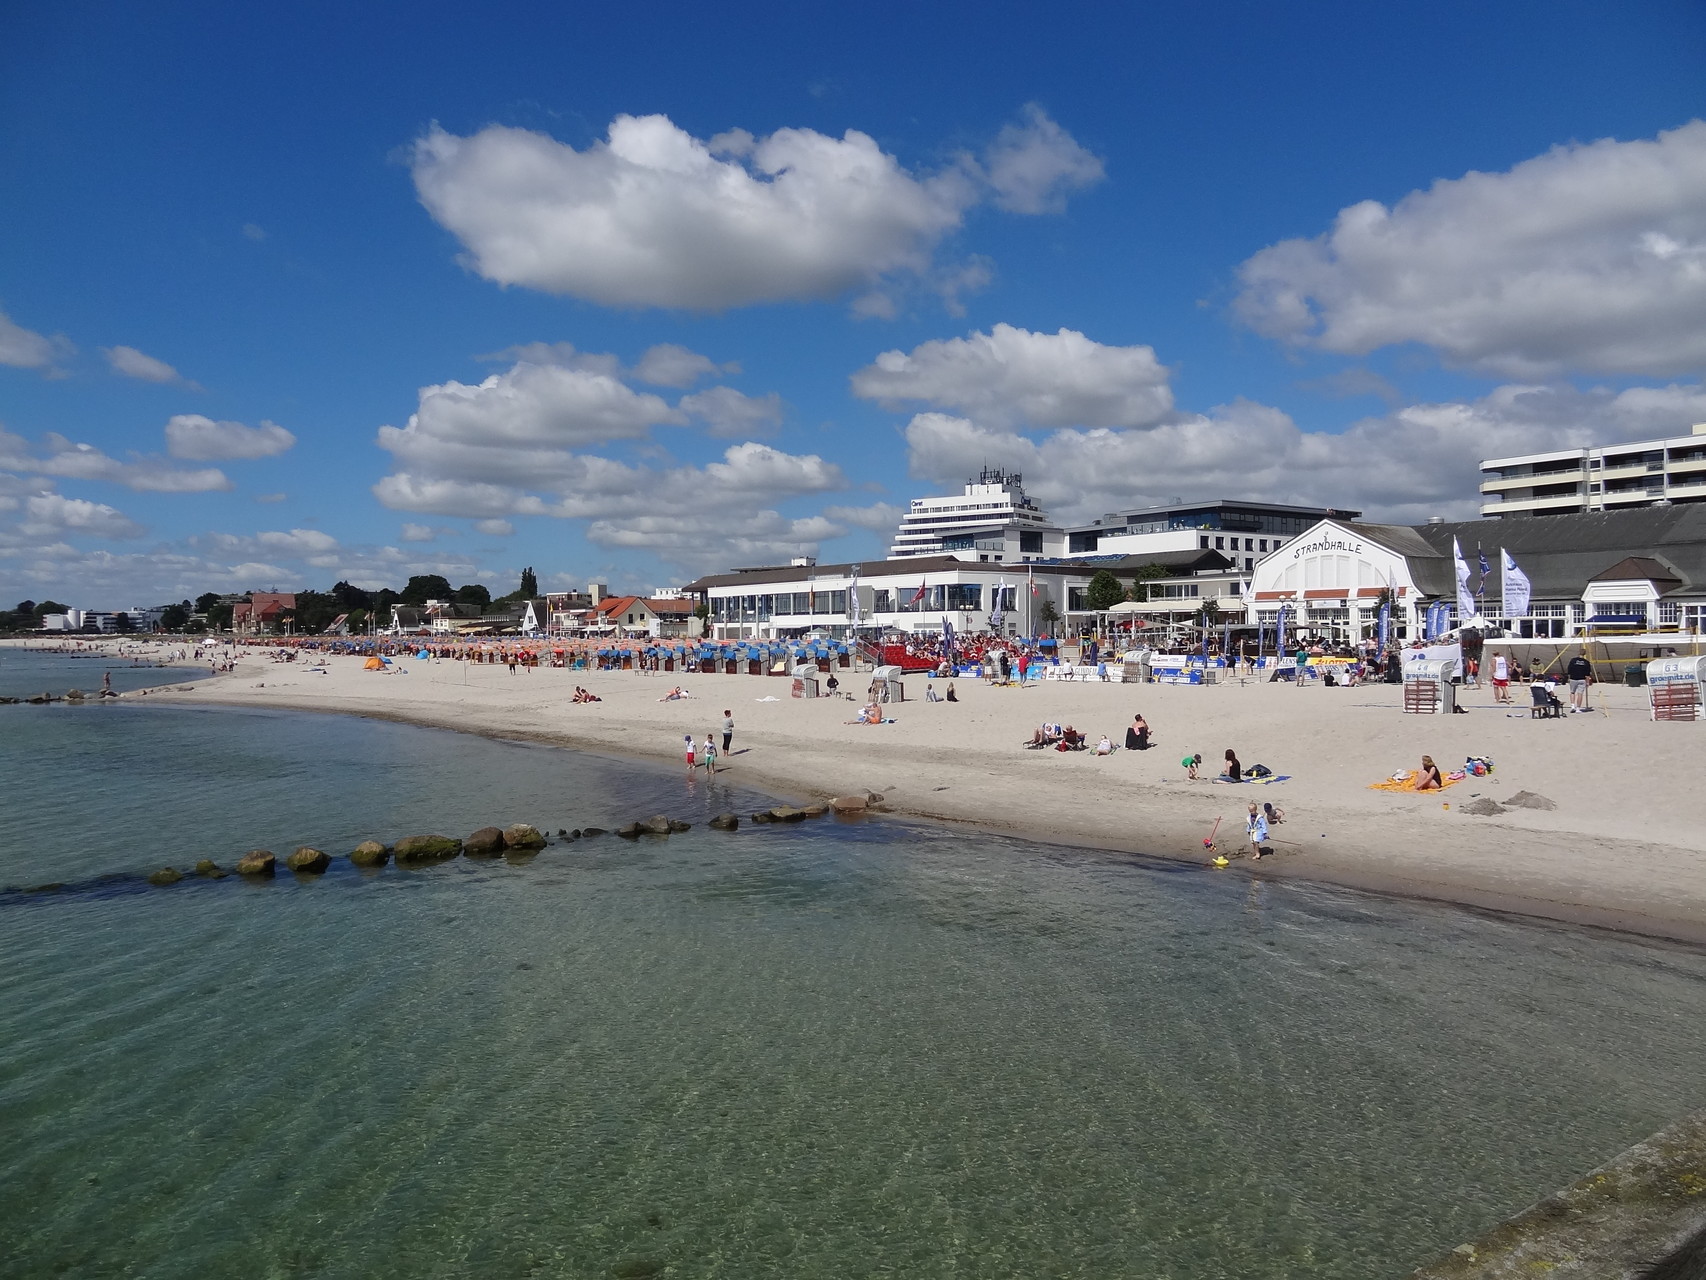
{"points": [[517, 842]]}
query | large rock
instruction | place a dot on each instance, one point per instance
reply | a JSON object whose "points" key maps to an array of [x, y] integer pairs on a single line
{"points": [[165, 875], [629, 831], [523, 836], [787, 813], [369, 853], [426, 848], [308, 861], [257, 862], [210, 869], [487, 842], [849, 804], [657, 826], [815, 810], [763, 815], [725, 822], [592, 831], [74, 695], [675, 824]]}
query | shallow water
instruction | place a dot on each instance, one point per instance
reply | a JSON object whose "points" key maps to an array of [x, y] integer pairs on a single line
{"points": [[818, 1050], [24, 673]]}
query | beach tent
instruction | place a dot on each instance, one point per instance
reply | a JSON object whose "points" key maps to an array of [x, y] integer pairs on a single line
{"points": [[373, 664]]}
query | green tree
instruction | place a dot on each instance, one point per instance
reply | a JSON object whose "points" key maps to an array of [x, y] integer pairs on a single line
{"points": [[349, 598], [1145, 574], [206, 601], [473, 593], [423, 587], [49, 606], [529, 584], [1211, 616], [123, 623], [26, 606], [219, 617], [174, 617], [1104, 591]]}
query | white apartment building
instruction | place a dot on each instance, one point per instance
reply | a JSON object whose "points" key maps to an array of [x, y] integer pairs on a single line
{"points": [[1617, 477], [992, 521]]}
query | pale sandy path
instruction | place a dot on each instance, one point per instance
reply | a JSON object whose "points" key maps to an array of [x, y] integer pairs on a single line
{"points": [[1625, 847]]}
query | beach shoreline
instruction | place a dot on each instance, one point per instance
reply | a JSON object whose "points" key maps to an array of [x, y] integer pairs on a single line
{"points": [[1620, 852]]}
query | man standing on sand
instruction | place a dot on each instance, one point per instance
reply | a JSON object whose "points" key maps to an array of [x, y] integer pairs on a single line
{"points": [[1501, 679], [1578, 671], [728, 729]]}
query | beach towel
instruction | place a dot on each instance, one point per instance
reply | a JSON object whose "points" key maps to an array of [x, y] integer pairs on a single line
{"points": [[1408, 783], [1270, 779]]}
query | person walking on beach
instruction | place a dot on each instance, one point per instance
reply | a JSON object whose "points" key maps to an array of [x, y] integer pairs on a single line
{"points": [[710, 754], [1501, 679], [729, 725], [1257, 829], [691, 762]]}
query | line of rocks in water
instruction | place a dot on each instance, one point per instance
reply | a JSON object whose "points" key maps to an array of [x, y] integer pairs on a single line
{"points": [[71, 695], [488, 842]]}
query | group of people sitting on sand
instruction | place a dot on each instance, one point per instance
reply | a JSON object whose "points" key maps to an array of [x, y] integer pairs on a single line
{"points": [[1066, 738], [1060, 737], [585, 695]]}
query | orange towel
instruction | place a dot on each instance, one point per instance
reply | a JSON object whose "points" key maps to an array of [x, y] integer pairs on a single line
{"points": [[1408, 783]]}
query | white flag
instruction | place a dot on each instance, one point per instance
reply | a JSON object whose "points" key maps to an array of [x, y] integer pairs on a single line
{"points": [[1515, 588], [1465, 597]]}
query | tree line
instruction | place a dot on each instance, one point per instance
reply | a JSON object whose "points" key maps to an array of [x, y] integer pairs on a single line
{"points": [[315, 610]]}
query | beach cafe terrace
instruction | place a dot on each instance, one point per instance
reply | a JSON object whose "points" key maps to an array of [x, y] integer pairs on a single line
{"points": [[917, 593]]}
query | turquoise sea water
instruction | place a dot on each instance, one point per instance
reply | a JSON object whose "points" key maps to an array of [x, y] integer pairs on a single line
{"points": [[819, 1050]]}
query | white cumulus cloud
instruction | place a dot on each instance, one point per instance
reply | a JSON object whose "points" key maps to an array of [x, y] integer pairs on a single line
{"points": [[58, 456], [1013, 377], [727, 412], [135, 364], [652, 216], [1591, 257], [671, 365], [197, 439], [1033, 164], [52, 515], [494, 528], [26, 349]]}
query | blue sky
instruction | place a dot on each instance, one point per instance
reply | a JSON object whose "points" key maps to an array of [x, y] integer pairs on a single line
{"points": [[325, 290]]}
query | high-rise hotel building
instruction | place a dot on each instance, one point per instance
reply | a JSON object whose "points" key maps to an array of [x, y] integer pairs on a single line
{"points": [[1618, 477]]}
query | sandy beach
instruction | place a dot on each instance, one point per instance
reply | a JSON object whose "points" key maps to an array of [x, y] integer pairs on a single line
{"points": [[1622, 849]]}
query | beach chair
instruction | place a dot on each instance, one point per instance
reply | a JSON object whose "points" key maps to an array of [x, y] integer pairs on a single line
{"points": [[1544, 704]]}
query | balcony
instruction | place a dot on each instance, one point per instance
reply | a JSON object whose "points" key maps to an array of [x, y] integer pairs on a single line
{"points": [[1645, 494], [1560, 502], [1502, 484]]}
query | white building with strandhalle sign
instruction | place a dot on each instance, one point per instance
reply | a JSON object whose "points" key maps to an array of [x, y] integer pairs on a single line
{"points": [[1640, 571]]}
